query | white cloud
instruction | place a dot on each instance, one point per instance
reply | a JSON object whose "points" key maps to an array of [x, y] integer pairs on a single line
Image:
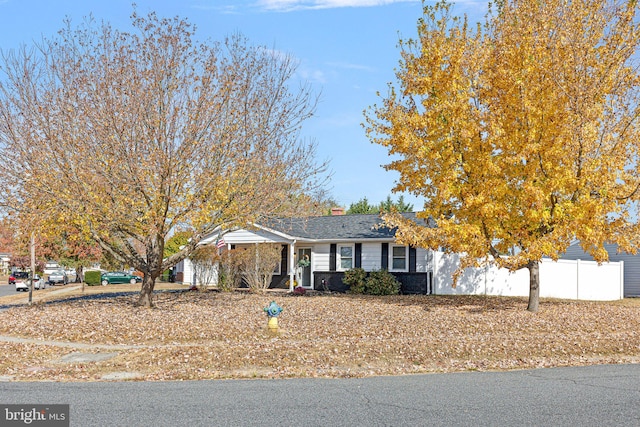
{"points": [[312, 75], [291, 5], [239, 6], [350, 66]]}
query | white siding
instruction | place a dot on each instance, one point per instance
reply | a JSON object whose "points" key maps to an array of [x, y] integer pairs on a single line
{"points": [[631, 265], [371, 254], [424, 260], [320, 257], [186, 268]]}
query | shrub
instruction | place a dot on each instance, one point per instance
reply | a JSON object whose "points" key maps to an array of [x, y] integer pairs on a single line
{"points": [[355, 279], [230, 263], [259, 264], [381, 282], [92, 278]]}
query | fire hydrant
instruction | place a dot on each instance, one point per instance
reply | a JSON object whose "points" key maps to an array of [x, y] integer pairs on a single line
{"points": [[273, 310]]}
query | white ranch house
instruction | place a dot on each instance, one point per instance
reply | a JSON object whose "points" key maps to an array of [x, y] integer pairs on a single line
{"points": [[335, 244]]}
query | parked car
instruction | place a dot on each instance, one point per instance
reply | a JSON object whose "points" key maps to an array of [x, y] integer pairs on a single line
{"points": [[58, 277], [38, 282], [17, 275], [21, 285], [113, 277]]}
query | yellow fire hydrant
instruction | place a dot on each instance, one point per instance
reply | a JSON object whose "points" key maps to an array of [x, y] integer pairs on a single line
{"points": [[272, 324], [272, 310]]}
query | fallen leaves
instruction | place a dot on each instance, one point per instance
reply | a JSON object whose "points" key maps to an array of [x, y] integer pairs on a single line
{"points": [[196, 335]]}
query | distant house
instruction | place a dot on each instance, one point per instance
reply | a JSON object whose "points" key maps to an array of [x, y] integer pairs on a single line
{"points": [[51, 266], [333, 245], [5, 262]]}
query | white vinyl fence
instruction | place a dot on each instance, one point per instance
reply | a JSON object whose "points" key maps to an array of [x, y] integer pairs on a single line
{"points": [[566, 279]]}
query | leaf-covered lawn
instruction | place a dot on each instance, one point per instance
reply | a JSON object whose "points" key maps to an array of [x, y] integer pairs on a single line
{"points": [[194, 335]]}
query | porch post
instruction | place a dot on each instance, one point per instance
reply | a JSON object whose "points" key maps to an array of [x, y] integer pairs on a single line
{"points": [[292, 264]]}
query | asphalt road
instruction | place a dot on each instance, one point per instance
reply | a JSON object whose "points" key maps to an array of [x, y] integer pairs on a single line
{"points": [[11, 289], [7, 290], [606, 395]]}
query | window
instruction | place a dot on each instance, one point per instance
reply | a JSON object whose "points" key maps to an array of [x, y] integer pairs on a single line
{"points": [[399, 258], [346, 257], [278, 270]]}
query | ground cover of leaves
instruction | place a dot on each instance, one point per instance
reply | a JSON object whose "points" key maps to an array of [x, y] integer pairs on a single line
{"points": [[205, 335]]}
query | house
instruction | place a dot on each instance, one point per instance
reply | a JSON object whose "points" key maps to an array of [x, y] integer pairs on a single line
{"points": [[5, 262], [337, 243], [51, 267], [332, 244], [631, 264]]}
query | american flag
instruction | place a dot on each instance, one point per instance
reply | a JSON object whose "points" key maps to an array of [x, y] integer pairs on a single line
{"points": [[220, 243]]}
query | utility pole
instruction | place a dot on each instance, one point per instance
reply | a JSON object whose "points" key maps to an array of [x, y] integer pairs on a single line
{"points": [[32, 246]]}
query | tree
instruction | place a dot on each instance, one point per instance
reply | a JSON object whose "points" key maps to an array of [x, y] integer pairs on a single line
{"points": [[131, 135], [23, 262], [259, 262], [521, 134], [176, 242], [7, 235], [389, 205], [362, 206], [321, 204], [70, 247]]}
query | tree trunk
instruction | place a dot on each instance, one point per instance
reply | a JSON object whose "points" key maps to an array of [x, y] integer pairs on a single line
{"points": [[154, 247], [534, 285], [146, 292]]}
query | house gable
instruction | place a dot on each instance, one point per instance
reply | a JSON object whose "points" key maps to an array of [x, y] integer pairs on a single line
{"points": [[246, 236]]}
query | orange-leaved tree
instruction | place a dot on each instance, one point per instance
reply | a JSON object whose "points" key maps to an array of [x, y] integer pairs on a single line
{"points": [[521, 133], [131, 135]]}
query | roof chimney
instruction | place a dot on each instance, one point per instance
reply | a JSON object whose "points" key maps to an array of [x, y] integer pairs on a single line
{"points": [[337, 211]]}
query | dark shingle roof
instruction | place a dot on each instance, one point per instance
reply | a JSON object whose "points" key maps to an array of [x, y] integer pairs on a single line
{"points": [[337, 227]]}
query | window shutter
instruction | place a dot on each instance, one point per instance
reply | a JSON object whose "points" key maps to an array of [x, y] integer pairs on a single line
{"points": [[332, 257], [284, 258], [384, 260], [358, 256], [412, 259]]}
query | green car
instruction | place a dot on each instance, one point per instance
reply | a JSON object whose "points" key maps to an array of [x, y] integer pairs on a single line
{"points": [[113, 277]]}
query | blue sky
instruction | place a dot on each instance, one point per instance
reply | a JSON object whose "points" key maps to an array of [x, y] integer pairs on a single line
{"points": [[347, 50]]}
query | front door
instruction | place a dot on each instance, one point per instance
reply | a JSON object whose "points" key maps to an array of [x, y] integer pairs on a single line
{"points": [[304, 267]]}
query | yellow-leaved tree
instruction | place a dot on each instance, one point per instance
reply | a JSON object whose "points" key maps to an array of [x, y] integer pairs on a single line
{"points": [[133, 135], [521, 133]]}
